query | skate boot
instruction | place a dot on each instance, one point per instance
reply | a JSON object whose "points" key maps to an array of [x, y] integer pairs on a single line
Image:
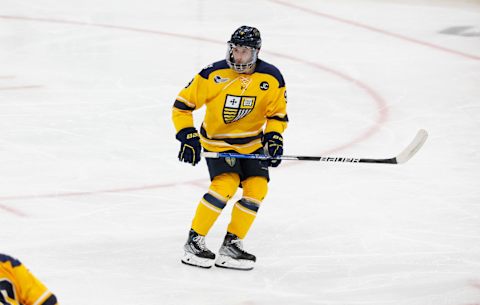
{"points": [[232, 255], [196, 252]]}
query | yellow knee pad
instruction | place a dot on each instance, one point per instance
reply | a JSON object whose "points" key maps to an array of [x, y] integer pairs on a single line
{"points": [[255, 188], [224, 186]]}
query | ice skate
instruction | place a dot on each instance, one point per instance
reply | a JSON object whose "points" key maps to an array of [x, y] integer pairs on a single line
{"points": [[196, 252], [232, 255]]}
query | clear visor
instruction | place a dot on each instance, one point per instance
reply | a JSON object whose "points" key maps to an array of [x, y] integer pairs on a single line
{"points": [[241, 58]]}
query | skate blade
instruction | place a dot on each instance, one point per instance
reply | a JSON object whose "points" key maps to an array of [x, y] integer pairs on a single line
{"points": [[228, 262], [193, 260]]}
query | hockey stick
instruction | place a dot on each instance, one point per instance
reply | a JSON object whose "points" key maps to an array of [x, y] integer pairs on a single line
{"points": [[401, 158]]}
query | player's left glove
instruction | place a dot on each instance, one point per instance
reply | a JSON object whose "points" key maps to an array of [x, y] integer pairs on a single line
{"points": [[273, 143], [190, 147]]}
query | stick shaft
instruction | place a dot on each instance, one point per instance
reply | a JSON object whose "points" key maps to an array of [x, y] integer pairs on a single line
{"points": [[402, 157], [300, 158]]}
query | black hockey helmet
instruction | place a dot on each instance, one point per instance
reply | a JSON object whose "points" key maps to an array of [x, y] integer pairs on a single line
{"points": [[244, 36], [247, 36]]}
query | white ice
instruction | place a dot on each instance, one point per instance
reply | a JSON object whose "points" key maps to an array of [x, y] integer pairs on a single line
{"points": [[94, 201]]}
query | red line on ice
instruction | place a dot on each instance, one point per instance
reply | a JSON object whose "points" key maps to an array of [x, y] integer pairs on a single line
{"points": [[379, 101], [12, 211], [377, 30], [97, 192]]}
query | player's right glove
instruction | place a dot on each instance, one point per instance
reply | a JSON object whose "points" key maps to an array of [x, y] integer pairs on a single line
{"points": [[190, 147], [273, 143]]}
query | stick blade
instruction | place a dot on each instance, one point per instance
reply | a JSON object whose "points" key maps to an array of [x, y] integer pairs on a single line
{"points": [[413, 147]]}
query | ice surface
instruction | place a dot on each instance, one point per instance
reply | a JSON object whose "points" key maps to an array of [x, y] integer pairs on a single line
{"points": [[95, 203]]}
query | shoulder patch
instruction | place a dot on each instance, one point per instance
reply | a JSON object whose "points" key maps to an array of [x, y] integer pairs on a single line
{"points": [[5, 258], [264, 85], [264, 67], [222, 64]]}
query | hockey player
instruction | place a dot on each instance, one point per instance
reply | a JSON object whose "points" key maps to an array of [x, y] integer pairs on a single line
{"points": [[245, 101], [20, 287]]}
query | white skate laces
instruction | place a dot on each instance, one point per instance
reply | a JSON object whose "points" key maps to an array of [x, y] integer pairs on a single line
{"points": [[200, 241], [238, 243]]}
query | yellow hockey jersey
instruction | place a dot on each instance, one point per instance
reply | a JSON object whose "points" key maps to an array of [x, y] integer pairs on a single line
{"points": [[20, 287], [240, 107]]}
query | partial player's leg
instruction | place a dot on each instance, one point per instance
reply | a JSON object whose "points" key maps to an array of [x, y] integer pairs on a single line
{"points": [[231, 254], [222, 188]]}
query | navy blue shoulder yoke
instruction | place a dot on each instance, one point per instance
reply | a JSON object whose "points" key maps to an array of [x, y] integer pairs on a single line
{"points": [[5, 258], [265, 67], [222, 64]]}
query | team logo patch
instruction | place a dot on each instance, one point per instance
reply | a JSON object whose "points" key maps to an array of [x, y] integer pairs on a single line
{"points": [[230, 161], [237, 107], [218, 79], [264, 86]]}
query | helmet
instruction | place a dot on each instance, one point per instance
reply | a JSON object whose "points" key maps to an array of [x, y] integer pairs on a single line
{"points": [[244, 36]]}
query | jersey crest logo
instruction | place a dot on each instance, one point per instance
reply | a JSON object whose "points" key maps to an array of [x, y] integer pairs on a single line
{"points": [[237, 107], [264, 86]]}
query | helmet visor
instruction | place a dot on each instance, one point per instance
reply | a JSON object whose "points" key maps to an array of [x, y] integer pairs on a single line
{"points": [[241, 58]]}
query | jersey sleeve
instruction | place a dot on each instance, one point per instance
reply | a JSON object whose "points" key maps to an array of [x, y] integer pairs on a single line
{"points": [[32, 291], [190, 98], [277, 118]]}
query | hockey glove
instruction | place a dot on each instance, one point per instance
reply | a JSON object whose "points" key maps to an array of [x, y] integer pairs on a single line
{"points": [[190, 147], [273, 143]]}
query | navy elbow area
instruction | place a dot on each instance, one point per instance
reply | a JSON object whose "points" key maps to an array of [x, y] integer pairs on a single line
{"points": [[284, 119], [182, 106], [52, 300]]}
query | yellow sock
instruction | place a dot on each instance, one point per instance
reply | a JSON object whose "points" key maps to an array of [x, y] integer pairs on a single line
{"points": [[222, 188], [245, 210]]}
